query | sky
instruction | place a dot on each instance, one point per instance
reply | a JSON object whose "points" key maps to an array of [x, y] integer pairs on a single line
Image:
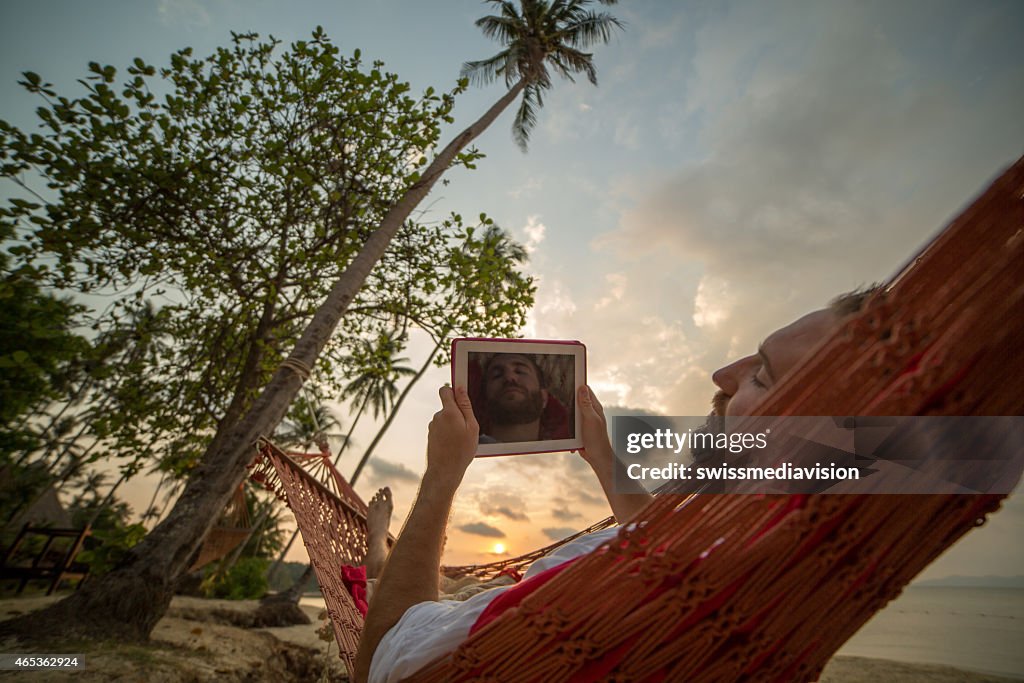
{"points": [[739, 164]]}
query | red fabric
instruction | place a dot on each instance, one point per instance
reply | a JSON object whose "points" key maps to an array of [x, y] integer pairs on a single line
{"points": [[511, 571], [354, 579], [554, 421], [514, 595]]}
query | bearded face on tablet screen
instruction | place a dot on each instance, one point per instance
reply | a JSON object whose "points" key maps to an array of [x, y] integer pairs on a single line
{"points": [[514, 389]]}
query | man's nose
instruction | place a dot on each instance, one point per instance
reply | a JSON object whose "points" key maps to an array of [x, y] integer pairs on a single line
{"points": [[728, 378]]}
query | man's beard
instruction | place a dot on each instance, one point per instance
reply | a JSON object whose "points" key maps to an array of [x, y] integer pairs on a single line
{"points": [[523, 411], [715, 424]]}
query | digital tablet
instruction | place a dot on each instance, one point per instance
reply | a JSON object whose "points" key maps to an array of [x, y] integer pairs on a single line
{"points": [[523, 392]]}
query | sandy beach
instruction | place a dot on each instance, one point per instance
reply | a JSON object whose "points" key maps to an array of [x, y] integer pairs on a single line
{"points": [[199, 641]]}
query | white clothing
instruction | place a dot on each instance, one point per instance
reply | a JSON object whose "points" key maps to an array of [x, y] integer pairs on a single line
{"points": [[429, 630]]}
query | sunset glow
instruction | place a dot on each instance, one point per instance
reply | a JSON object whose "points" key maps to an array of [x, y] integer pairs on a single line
{"points": [[499, 549]]}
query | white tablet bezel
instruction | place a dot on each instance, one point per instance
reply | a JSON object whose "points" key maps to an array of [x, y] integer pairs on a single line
{"points": [[462, 347]]}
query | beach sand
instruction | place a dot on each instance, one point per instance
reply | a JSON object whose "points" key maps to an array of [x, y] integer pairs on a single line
{"points": [[197, 641]]}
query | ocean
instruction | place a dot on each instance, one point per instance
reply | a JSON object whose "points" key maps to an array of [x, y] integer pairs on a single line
{"points": [[978, 629]]}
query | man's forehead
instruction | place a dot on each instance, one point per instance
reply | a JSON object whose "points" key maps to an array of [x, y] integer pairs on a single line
{"points": [[788, 345], [510, 359]]}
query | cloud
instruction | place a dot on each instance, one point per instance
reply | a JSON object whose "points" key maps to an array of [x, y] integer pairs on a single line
{"points": [[564, 514], [713, 303], [534, 230], [482, 529], [616, 289], [502, 504], [389, 472], [188, 13], [558, 533], [507, 512], [528, 188], [827, 152]]}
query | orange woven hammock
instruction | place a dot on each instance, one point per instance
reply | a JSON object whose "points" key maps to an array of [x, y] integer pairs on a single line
{"points": [[332, 519], [232, 530], [713, 588]]}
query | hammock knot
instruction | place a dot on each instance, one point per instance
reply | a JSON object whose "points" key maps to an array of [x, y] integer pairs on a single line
{"points": [[548, 622], [466, 659], [577, 651], [657, 567]]}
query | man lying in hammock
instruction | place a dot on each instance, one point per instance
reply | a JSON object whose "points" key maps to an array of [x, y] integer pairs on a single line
{"points": [[407, 626]]}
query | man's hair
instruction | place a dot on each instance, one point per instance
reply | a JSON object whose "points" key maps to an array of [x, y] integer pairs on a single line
{"points": [[530, 359], [853, 301]]}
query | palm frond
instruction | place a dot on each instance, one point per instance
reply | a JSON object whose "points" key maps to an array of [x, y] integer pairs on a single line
{"points": [[526, 115], [571, 61], [503, 29], [591, 28], [485, 71]]}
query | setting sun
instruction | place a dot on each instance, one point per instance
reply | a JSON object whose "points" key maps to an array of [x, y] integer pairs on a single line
{"points": [[498, 549]]}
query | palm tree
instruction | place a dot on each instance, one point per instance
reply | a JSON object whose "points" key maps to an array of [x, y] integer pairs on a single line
{"points": [[374, 387], [538, 38], [306, 422]]}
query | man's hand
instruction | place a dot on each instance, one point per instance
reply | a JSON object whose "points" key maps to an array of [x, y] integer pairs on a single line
{"points": [[410, 575], [452, 437], [629, 498], [597, 450]]}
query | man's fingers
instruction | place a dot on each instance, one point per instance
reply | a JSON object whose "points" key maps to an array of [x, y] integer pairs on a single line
{"points": [[589, 401], [584, 397], [462, 401], [447, 398], [597, 404], [457, 400]]}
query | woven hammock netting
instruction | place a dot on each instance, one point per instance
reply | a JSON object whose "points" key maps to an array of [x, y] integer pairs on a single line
{"points": [[232, 529], [745, 587]]}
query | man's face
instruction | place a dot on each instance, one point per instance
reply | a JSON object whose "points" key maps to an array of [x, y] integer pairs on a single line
{"points": [[513, 390], [743, 383]]}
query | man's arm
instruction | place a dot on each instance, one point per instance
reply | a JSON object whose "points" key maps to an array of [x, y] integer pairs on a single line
{"points": [[410, 575], [630, 497]]}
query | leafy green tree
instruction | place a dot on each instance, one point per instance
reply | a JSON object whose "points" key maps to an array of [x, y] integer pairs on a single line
{"points": [[38, 351], [245, 580], [245, 197]]}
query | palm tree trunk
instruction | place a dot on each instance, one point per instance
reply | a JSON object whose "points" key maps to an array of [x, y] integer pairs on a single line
{"points": [[127, 602], [152, 501], [394, 411], [351, 429], [106, 500]]}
